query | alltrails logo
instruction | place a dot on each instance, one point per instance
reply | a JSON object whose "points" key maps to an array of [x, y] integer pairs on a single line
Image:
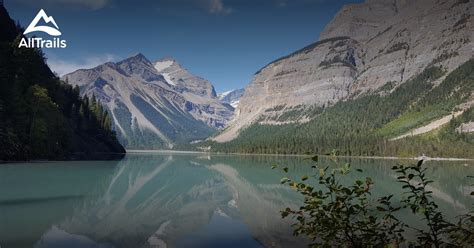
{"points": [[38, 42]]}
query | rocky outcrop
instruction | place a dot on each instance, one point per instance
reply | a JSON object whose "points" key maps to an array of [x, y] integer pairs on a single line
{"points": [[153, 105], [364, 47]]}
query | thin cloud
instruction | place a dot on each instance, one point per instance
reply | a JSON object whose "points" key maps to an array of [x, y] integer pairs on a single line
{"points": [[218, 7], [62, 67]]}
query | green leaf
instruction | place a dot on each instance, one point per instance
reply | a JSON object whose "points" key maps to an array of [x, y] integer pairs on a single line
{"points": [[304, 178], [284, 180], [315, 158], [422, 210], [420, 163], [285, 169]]}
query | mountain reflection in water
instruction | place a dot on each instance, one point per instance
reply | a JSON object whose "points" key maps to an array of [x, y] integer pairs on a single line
{"points": [[178, 200]]}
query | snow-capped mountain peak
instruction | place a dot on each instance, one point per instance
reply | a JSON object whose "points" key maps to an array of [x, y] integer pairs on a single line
{"points": [[161, 65], [224, 94], [231, 97], [182, 80], [154, 105]]}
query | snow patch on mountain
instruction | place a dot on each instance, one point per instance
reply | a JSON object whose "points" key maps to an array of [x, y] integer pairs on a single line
{"points": [[161, 65], [154, 105], [168, 79], [231, 97], [224, 94], [234, 104]]}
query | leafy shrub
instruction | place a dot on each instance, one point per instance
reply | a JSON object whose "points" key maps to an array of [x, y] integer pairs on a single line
{"points": [[339, 215]]}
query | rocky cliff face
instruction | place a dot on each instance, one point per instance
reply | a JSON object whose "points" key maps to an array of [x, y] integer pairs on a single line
{"points": [[182, 80], [364, 47], [203, 102], [153, 105]]}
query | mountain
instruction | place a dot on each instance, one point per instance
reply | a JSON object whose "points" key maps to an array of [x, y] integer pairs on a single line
{"points": [[372, 50], [184, 81], [153, 105], [196, 90], [41, 117], [231, 97]]}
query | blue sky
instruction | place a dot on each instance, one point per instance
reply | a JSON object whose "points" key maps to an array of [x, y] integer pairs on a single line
{"points": [[224, 41]]}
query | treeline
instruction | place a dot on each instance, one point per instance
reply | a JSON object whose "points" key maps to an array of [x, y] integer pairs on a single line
{"points": [[42, 117], [353, 126]]}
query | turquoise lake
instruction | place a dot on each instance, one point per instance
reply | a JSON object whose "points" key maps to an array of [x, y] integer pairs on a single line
{"points": [[182, 199]]}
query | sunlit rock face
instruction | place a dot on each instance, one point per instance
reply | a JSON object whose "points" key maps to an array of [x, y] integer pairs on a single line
{"points": [[364, 47], [154, 105]]}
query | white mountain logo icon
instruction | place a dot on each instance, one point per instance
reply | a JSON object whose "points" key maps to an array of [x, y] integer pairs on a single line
{"points": [[47, 29]]}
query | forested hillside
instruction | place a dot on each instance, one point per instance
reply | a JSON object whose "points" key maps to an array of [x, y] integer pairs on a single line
{"points": [[366, 125], [42, 117]]}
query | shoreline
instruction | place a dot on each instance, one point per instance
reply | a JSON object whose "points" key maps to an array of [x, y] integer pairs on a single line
{"points": [[301, 155], [73, 159], [165, 151], [242, 154]]}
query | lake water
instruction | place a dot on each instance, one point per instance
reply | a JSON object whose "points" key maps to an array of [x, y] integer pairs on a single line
{"points": [[179, 200]]}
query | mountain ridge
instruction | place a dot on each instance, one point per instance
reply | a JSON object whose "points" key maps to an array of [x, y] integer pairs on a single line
{"points": [[379, 70], [153, 104], [348, 61]]}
